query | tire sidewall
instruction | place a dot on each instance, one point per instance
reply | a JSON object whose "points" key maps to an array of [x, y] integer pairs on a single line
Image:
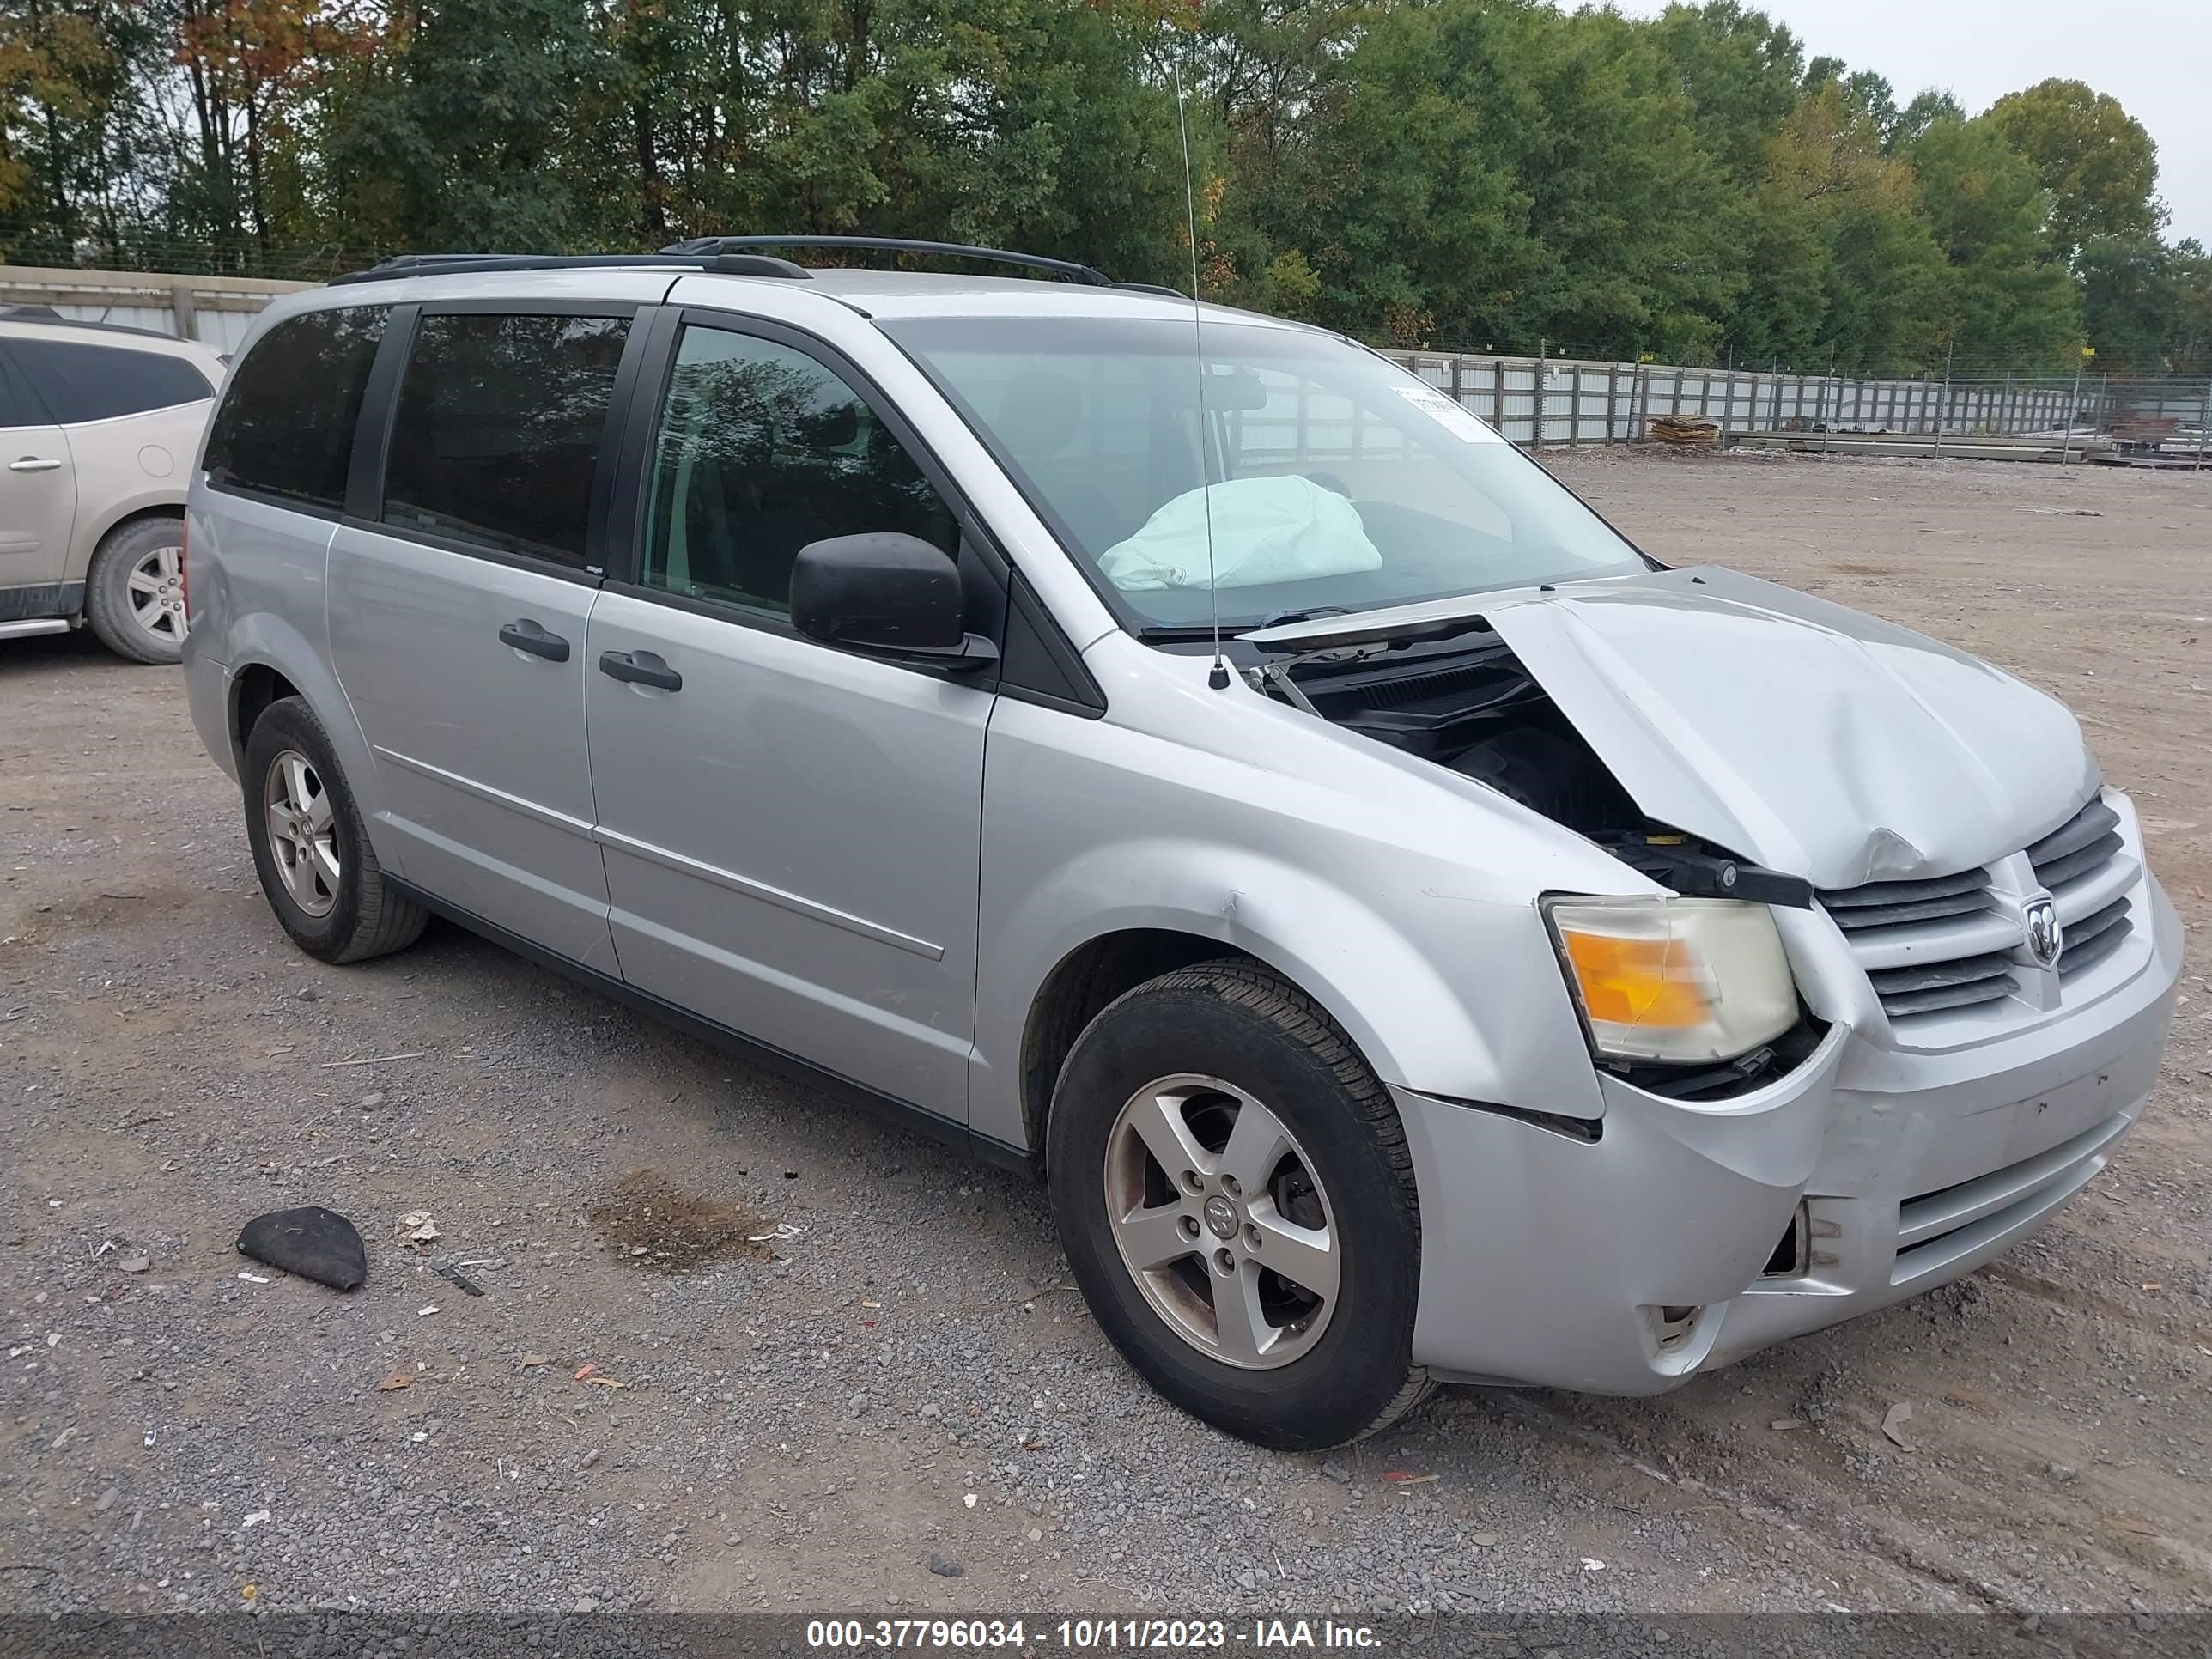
{"points": [[285, 725], [1337, 1390]]}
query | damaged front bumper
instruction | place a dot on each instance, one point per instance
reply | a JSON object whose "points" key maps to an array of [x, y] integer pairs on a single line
{"points": [[1686, 1236]]}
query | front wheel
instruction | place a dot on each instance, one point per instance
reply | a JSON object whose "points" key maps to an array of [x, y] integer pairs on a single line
{"points": [[1233, 1190]]}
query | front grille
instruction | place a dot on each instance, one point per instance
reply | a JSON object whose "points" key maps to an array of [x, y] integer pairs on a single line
{"points": [[1934, 986], [2094, 938], [1940, 944], [1928, 943], [1889, 903], [2083, 843]]}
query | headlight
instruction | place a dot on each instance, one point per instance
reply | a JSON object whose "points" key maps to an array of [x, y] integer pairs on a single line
{"points": [[1681, 980]]}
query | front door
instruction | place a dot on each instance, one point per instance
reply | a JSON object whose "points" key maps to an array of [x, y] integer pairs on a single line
{"points": [[37, 497], [457, 619], [791, 831]]}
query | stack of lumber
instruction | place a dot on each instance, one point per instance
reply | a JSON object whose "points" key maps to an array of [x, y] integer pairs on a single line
{"points": [[1686, 431]]}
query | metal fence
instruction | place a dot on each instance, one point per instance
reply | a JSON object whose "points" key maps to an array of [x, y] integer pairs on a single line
{"points": [[213, 310], [1561, 401]]}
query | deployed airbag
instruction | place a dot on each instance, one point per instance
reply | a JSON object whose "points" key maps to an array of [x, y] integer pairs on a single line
{"points": [[1283, 529]]}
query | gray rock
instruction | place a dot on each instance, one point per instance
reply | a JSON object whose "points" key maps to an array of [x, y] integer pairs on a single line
{"points": [[945, 1569]]}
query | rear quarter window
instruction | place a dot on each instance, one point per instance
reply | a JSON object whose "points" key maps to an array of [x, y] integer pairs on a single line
{"points": [[81, 383], [18, 406], [285, 426]]}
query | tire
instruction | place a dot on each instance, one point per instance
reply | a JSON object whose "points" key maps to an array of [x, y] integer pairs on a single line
{"points": [[358, 915], [1203, 1046], [146, 625]]}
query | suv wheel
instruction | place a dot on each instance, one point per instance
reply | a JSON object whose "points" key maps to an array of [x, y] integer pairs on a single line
{"points": [[135, 591], [317, 868], [1233, 1190]]}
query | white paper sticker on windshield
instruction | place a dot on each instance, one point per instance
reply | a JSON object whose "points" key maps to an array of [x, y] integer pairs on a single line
{"points": [[1447, 414]]}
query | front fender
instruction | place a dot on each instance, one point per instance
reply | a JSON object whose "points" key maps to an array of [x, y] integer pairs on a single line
{"points": [[1374, 981], [1441, 971]]}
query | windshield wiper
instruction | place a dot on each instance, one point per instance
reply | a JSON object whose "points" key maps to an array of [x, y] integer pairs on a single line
{"points": [[1176, 633]]}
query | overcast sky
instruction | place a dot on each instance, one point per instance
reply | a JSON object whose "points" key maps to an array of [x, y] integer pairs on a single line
{"points": [[2154, 55]]}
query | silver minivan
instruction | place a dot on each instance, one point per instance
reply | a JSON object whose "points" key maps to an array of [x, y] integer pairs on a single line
{"points": [[1501, 956]]}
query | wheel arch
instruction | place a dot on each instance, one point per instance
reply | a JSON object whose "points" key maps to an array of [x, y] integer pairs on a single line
{"points": [[1394, 1005], [1079, 985], [121, 516], [271, 659], [252, 689]]}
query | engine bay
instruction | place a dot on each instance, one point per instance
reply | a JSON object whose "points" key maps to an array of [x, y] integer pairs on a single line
{"points": [[1465, 701]]}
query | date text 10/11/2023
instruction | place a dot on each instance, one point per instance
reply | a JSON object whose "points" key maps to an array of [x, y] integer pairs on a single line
{"points": [[1085, 1634]]}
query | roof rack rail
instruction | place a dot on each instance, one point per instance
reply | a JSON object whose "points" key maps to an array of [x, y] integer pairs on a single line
{"points": [[458, 264], [1067, 268]]}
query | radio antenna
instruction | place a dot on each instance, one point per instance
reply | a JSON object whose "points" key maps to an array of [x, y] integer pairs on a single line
{"points": [[1218, 677]]}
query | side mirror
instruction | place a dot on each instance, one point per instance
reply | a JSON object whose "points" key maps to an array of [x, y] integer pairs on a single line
{"points": [[886, 593]]}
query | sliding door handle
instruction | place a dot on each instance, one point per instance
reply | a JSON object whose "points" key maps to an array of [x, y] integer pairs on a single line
{"points": [[527, 636], [640, 668]]}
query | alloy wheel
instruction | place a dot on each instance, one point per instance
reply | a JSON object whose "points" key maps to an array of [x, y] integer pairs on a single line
{"points": [[156, 590], [1222, 1221], [302, 832]]}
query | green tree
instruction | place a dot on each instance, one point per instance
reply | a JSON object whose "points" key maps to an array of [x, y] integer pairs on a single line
{"points": [[2096, 160], [457, 128], [2011, 296], [2149, 307], [1843, 261]]}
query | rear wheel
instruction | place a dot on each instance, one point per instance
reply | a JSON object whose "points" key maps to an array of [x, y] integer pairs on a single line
{"points": [[1232, 1187], [318, 870], [135, 591]]}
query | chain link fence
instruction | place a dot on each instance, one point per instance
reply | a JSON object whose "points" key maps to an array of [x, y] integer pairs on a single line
{"points": [[1547, 401]]}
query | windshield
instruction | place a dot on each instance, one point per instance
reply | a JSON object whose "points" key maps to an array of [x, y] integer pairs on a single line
{"points": [[1338, 482]]}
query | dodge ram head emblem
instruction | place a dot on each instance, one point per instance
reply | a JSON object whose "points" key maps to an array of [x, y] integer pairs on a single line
{"points": [[2040, 923]]}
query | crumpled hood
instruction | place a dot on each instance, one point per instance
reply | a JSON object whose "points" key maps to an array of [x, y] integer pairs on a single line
{"points": [[1816, 740]]}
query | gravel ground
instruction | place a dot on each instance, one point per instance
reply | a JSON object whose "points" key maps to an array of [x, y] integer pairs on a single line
{"points": [[845, 1373]]}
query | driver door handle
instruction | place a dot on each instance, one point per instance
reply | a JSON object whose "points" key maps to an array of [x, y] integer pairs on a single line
{"points": [[641, 668], [33, 464], [527, 636]]}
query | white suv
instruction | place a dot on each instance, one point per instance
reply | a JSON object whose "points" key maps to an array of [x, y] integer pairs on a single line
{"points": [[98, 426]]}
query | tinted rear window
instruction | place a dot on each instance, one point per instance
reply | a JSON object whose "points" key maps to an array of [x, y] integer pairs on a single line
{"points": [[18, 406], [498, 429], [80, 383], [285, 425]]}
